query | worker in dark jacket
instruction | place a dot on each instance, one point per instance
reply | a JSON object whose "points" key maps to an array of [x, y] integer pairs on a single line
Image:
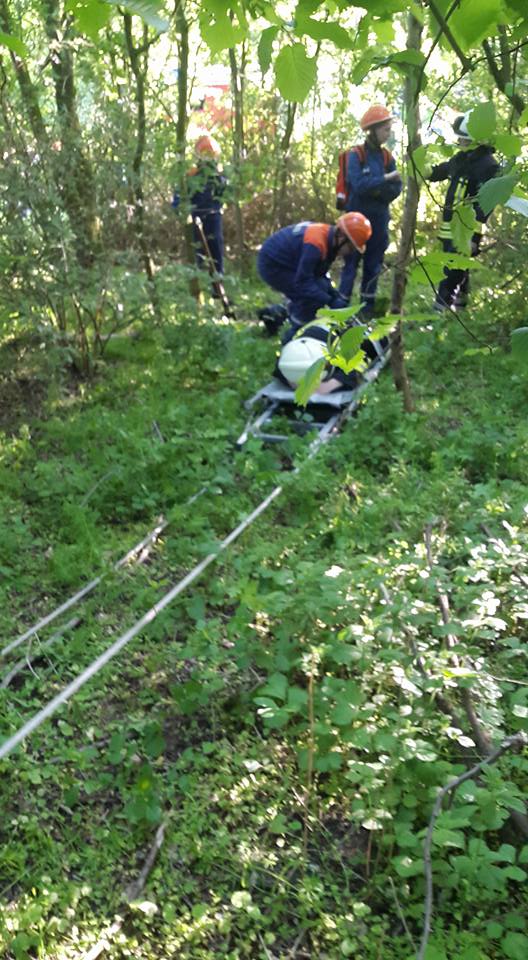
{"points": [[466, 171], [295, 261], [372, 184], [205, 185]]}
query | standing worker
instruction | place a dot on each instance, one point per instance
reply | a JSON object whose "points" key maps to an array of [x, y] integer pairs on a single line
{"points": [[368, 183], [205, 185], [466, 171], [295, 261]]}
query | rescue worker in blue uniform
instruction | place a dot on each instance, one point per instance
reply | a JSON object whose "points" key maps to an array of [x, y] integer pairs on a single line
{"points": [[205, 188], [295, 261], [372, 183], [466, 171]]}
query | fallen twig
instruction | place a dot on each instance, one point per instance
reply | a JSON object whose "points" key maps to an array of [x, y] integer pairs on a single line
{"points": [[130, 894], [516, 741]]}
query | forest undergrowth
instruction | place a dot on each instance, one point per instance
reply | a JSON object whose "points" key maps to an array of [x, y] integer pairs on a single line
{"points": [[284, 727]]}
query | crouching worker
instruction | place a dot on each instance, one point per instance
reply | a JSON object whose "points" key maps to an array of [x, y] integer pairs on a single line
{"points": [[310, 345], [295, 261]]}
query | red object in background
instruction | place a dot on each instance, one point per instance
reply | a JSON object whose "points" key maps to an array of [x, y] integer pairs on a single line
{"points": [[219, 115]]}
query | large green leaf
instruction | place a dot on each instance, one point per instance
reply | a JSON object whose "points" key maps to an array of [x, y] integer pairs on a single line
{"points": [[496, 191], [295, 72], [350, 342], [90, 15], [318, 30], [384, 30], [363, 66], [146, 9], [476, 19], [482, 121], [414, 57], [471, 22], [430, 269], [14, 44], [219, 29], [509, 144], [265, 48], [463, 226], [310, 382]]}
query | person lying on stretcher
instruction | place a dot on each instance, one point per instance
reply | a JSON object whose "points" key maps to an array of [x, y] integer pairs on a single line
{"points": [[302, 351]]}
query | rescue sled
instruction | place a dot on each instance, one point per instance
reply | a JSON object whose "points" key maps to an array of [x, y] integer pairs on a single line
{"points": [[324, 413]]}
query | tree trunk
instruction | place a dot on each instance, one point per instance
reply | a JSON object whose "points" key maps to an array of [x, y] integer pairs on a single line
{"points": [[182, 121], [138, 57], [237, 92], [27, 89], [279, 199], [412, 119], [76, 177]]}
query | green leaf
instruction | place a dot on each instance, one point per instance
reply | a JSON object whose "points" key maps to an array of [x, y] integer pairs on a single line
{"points": [[343, 714], [222, 33], [407, 867], [14, 44], [515, 873], [413, 57], [363, 66], [384, 30], [265, 48], [482, 121], [496, 191], [318, 30], [382, 329], [351, 341], [295, 72], [463, 226], [474, 20], [518, 709], [523, 119], [506, 852], [430, 268], [146, 9], [90, 15], [515, 946], [310, 382], [276, 687], [509, 144], [418, 165], [519, 344]]}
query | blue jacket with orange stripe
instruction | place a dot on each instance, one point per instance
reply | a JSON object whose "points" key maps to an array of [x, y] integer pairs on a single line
{"points": [[307, 251]]}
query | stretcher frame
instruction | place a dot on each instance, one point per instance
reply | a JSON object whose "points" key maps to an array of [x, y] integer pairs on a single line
{"points": [[329, 411]]}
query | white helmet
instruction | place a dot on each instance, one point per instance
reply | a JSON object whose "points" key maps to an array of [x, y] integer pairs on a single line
{"points": [[460, 126], [297, 357]]}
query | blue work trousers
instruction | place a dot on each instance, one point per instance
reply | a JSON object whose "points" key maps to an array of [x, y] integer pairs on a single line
{"points": [[301, 308], [372, 264], [212, 226]]}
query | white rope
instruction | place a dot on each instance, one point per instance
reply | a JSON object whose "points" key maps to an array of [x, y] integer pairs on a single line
{"points": [[38, 719], [93, 583]]}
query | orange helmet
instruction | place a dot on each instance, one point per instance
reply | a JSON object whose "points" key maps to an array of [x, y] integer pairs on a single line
{"points": [[207, 145], [357, 228], [375, 114]]}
